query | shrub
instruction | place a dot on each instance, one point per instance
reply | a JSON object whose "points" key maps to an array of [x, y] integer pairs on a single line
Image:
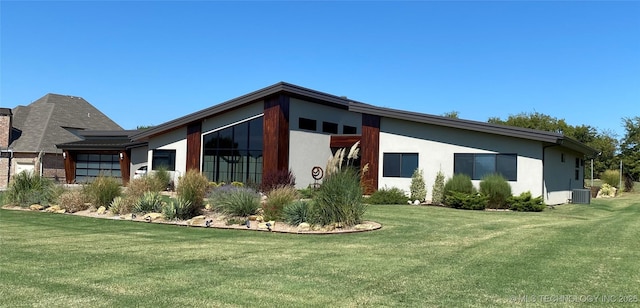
{"points": [[418, 187], [628, 183], [192, 187], [179, 208], [339, 199], [160, 179], [277, 199], [459, 183], [307, 193], [607, 191], [236, 201], [273, 179], [388, 196], [460, 200], [137, 187], [27, 188], [102, 191], [437, 193], [296, 212], [611, 177], [525, 203], [72, 201], [497, 189], [123, 205], [151, 202]]}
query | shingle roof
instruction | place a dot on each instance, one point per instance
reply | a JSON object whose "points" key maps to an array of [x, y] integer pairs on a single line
{"points": [[102, 140], [54, 119]]}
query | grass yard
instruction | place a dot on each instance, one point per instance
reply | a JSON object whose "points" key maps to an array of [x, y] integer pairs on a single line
{"points": [[423, 256]]}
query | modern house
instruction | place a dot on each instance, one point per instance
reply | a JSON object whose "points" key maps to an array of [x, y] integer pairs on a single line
{"points": [[288, 127], [29, 134]]}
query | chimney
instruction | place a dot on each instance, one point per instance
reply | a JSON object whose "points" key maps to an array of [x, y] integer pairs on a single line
{"points": [[5, 127]]}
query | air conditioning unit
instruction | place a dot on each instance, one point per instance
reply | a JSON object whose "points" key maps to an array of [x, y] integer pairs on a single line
{"points": [[581, 196]]}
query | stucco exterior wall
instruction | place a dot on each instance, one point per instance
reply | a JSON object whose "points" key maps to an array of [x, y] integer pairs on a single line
{"points": [[173, 140], [139, 158], [436, 146], [232, 117], [308, 149], [560, 174]]}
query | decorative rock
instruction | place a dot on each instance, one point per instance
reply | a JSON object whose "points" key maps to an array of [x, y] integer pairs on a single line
{"points": [[304, 227], [409, 202], [101, 210], [62, 211], [152, 216], [267, 225], [416, 202], [329, 228], [36, 207], [208, 207], [53, 209], [196, 221], [363, 227]]}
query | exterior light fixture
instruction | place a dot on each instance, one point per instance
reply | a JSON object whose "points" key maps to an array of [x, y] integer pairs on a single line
{"points": [[121, 156]]}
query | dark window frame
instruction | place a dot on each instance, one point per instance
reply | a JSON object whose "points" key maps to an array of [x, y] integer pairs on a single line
{"points": [[505, 164], [397, 165], [349, 130], [307, 124], [161, 155], [329, 127]]}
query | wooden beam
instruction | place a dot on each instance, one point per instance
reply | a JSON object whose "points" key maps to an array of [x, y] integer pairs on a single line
{"points": [[275, 144], [125, 166], [344, 141], [370, 148], [194, 133], [69, 166]]}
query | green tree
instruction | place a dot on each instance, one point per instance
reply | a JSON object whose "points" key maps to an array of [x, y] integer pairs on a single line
{"points": [[452, 114], [630, 148]]}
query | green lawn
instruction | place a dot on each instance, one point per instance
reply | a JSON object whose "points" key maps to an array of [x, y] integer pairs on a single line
{"points": [[423, 256]]}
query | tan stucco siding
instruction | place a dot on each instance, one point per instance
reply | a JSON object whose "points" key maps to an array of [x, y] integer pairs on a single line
{"points": [[172, 140], [303, 109], [560, 175], [232, 117]]}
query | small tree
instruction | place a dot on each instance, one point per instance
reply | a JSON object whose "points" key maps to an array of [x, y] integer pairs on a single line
{"points": [[437, 193], [418, 187]]}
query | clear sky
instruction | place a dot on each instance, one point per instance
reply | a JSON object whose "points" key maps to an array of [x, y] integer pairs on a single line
{"points": [[148, 62]]}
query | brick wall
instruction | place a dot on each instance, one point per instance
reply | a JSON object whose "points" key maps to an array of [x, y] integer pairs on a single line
{"points": [[5, 134]]}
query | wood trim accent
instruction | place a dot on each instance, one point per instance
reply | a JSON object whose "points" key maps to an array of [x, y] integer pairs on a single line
{"points": [[194, 146], [344, 141], [125, 166], [370, 147], [275, 145], [69, 167]]}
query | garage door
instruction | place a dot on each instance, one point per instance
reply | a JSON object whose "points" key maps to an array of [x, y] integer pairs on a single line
{"points": [[90, 166]]}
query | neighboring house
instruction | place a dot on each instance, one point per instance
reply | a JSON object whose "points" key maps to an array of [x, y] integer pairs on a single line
{"points": [[33, 131], [288, 127]]}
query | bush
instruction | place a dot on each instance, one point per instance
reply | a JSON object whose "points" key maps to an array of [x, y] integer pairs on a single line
{"points": [[102, 191], [459, 183], [151, 202], [160, 179], [628, 183], [179, 208], [274, 179], [437, 193], [460, 200], [611, 177], [296, 212], [193, 187], [388, 196], [277, 199], [123, 205], [525, 203], [236, 201], [72, 201], [418, 187], [308, 193], [137, 187], [339, 199], [607, 191], [27, 188], [497, 189]]}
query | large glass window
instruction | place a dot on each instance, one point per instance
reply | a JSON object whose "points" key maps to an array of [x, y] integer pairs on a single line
{"points": [[234, 153], [399, 164], [478, 165], [90, 166], [164, 159]]}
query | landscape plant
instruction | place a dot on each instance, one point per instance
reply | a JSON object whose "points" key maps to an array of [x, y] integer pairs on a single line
{"points": [[160, 179], [235, 201], [459, 183], [27, 188], [386, 195], [102, 190], [150, 202], [277, 199], [418, 187], [123, 204], [297, 212], [72, 201], [465, 201], [277, 178], [339, 199], [611, 177], [437, 192], [193, 187], [497, 189], [526, 203], [179, 208]]}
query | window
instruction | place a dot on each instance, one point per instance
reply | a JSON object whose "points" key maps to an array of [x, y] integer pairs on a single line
{"points": [[399, 165], [478, 165], [308, 124], [562, 157], [328, 127], [346, 129], [234, 153], [577, 174], [164, 159], [577, 162]]}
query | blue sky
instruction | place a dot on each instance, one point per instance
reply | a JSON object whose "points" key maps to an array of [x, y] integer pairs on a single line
{"points": [[149, 62]]}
